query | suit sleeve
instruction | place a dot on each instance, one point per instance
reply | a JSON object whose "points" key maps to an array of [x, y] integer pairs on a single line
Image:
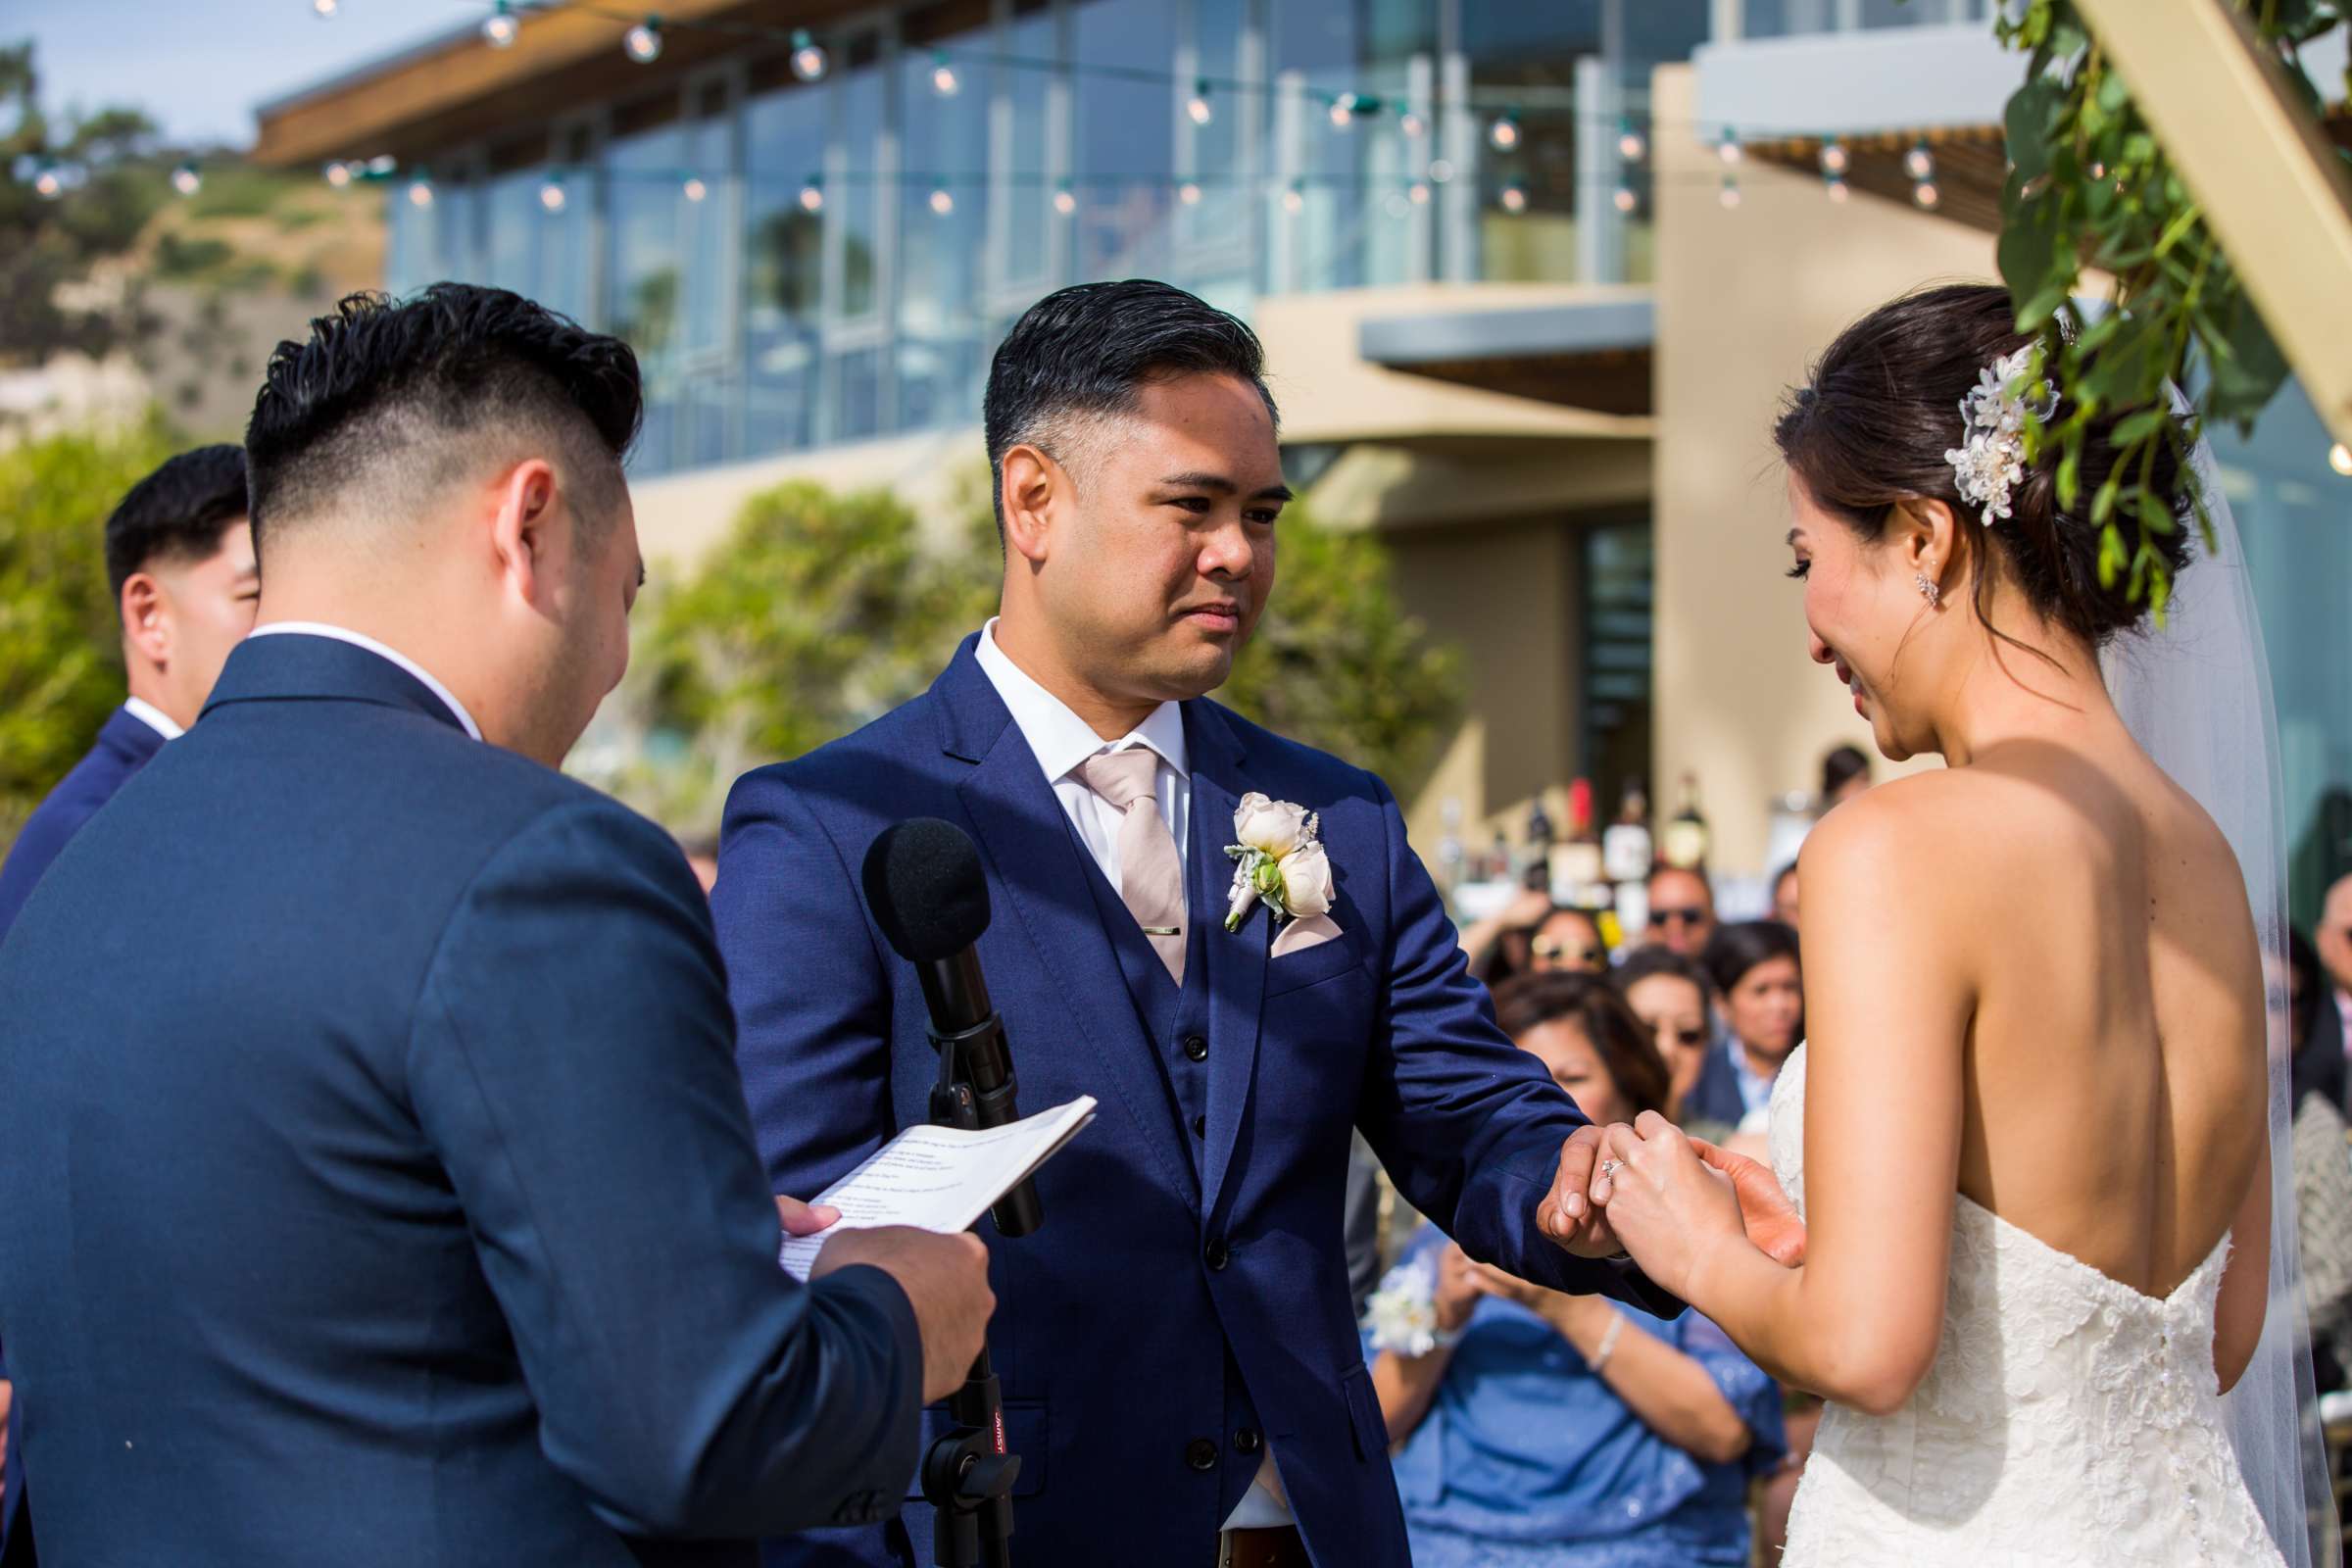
{"points": [[571, 1064], [1468, 1125], [811, 996]]}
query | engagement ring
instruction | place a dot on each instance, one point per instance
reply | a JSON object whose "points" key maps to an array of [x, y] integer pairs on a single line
{"points": [[1609, 1168]]}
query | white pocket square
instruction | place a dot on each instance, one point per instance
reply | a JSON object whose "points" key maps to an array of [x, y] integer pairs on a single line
{"points": [[1300, 935]]}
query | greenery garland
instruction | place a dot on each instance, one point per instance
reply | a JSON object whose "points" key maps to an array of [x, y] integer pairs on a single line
{"points": [[2091, 189]]}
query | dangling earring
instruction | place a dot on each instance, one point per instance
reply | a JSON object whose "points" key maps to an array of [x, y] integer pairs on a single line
{"points": [[1927, 589]]}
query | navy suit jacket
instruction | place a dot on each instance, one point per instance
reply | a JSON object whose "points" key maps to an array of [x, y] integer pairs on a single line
{"points": [[126, 744], [1188, 1296], [379, 1188]]}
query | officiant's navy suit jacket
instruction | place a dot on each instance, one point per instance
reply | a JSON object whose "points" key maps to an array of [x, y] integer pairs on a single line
{"points": [[1187, 1300], [379, 1186]]}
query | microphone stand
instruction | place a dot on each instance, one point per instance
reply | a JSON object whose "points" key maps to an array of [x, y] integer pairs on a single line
{"points": [[967, 1474]]}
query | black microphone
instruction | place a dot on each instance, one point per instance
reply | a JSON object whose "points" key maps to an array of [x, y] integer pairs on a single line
{"points": [[929, 895]]}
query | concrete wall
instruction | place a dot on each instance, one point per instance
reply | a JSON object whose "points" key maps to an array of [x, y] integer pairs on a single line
{"points": [[1746, 297]]}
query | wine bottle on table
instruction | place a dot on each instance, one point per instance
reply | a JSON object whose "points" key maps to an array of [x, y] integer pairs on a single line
{"points": [[1686, 837]]}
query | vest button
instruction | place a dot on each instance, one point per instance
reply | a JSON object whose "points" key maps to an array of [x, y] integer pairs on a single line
{"points": [[1201, 1453], [1217, 1255], [1195, 1047], [1199, 1126], [1246, 1440]]}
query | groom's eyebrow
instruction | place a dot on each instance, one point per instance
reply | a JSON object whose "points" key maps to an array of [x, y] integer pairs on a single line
{"points": [[1203, 480]]}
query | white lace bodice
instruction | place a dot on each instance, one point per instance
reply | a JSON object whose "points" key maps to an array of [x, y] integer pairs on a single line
{"points": [[2068, 1418]]}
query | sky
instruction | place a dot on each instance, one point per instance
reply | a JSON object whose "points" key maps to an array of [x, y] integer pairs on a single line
{"points": [[199, 67]]}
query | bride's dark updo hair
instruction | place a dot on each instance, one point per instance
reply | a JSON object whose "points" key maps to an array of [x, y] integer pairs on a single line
{"points": [[1882, 410]]}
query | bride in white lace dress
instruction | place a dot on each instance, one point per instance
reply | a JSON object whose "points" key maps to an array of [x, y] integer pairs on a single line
{"points": [[2028, 1136]]}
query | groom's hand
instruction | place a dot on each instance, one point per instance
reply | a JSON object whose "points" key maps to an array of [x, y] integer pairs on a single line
{"points": [[1569, 1216]]}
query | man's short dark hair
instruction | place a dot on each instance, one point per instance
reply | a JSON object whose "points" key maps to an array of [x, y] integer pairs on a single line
{"points": [[178, 513], [1090, 350], [402, 396]]}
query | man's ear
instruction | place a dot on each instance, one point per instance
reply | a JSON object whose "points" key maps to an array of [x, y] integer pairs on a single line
{"points": [[1035, 486], [146, 610], [524, 526]]}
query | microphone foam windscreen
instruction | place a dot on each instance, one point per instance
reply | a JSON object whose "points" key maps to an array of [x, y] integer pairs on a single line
{"points": [[924, 883]]}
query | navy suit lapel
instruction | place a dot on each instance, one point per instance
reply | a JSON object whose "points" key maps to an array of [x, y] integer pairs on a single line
{"points": [[1235, 959], [132, 739], [1036, 862]]}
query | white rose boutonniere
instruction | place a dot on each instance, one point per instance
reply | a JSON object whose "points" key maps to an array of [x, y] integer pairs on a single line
{"points": [[1279, 861]]}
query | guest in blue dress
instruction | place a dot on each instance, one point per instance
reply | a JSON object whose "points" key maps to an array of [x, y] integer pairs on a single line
{"points": [[1537, 1430]]}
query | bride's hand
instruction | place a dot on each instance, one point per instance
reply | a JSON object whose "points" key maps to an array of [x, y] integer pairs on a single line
{"points": [[1666, 1204], [1772, 1222]]}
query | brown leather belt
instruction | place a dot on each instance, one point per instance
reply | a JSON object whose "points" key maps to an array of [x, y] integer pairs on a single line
{"points": [[1262, 1548]]}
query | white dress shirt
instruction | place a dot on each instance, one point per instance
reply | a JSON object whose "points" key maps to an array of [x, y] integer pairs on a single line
{"points": [[319, 628], [1060, 740], [154, 717]]}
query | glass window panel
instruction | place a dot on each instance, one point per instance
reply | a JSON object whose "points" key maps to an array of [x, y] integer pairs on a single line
{"points": [[1525, 57], [1124, 138], [942, 233], [410, 240], [855, 206], [784, 281], [1901, 13], [457, 204], [1031, 222], [857, 400], [644, 296], [1221, 216], [512, 231], [704, 211]]}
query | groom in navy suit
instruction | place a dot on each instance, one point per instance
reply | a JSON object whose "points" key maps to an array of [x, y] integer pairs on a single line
{"points": [[1180, 1367]]}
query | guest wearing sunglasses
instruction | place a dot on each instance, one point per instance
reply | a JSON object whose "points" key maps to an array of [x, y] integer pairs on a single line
{"points": [[1682, 911], [1672, 995], [1568, 942], [1755, 965]]}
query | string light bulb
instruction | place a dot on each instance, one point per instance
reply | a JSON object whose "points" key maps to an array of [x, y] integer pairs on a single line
{"points": [[1630, 142], [1397, 206], [1417, 193], [2339, 458], [421, 191], [187, 179], [1833, 157], [1514, 197], [323, 9], [338, 174], [807, 55], [1729, 196], [943, 75], [813, 196], [500, 26], [1065, 200], [1504, 134], [550, 195], [643, 43], [1413, 124], [694, 189], [1195, 108], [1294, 200], [1728, 148], [1925, 194], [1189, 193], [382, 164], [1836, 186], [1342, 112], [1919, 163], [49, 183], [942, 200], [1625, 201], [1441, 170]]}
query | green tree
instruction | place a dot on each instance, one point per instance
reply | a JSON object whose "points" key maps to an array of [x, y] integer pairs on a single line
{"points": [[60, 672], [818, 612]]}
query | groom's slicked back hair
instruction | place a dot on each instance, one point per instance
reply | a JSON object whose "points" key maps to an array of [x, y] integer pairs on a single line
{"points": [[1088, 352], [389, 400]]}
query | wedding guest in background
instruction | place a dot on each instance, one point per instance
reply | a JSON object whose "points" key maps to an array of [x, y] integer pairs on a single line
{"points": [[2316, 1028], [1539, 1430], [1845, 774], [1754, 964], [1499, 946], [1671, 996], [179, 559], [2333, 939], [1567, 942], [1784, 895], [2322, 1165], [1682, 911]]}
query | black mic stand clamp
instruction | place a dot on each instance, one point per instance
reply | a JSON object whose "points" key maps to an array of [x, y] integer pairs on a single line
{"points": [[968, 1472]]}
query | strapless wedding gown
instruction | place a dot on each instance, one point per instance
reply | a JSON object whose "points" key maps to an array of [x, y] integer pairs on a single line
{"points": [[2068, 1418]]}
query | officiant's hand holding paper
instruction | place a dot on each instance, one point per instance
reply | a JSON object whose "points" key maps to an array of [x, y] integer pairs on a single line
{"points": [[946, 1281]]}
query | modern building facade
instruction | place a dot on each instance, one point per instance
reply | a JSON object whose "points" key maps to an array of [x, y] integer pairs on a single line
{"points": [[1533, 279]]}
